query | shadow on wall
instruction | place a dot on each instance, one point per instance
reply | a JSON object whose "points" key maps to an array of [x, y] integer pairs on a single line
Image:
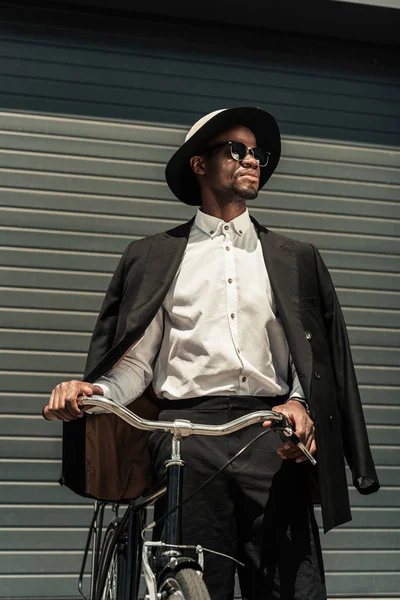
{"points": [[174, 74]]}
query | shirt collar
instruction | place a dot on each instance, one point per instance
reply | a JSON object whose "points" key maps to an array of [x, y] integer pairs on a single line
{"points": [[213, 226]]}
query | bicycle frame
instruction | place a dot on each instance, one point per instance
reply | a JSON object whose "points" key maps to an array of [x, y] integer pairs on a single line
{"points": [[171, 555], [175, 466]]}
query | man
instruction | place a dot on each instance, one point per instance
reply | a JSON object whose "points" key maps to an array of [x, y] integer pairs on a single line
{"points": [[224, 317]]}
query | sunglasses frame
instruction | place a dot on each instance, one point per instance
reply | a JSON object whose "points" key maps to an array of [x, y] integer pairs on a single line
{"points": [[248, 150]]}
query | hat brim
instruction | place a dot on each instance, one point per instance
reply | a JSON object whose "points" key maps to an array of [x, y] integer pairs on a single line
{"points": [[178, 173]]}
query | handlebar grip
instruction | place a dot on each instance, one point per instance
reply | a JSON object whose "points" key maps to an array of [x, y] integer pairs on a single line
{"points": [[292, 437]]}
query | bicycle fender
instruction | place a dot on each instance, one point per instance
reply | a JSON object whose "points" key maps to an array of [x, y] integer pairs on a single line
{"points": [[176, 564]]}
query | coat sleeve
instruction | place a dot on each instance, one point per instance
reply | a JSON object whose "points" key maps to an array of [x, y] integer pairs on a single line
{"points": [[355, 438], [106, 324]]}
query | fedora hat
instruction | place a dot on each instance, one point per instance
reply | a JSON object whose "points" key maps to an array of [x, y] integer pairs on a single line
{"points": [[178, 173]]}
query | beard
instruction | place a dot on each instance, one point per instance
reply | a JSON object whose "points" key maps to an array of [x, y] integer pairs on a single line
{"points": [[246, 193], [234, 193]]}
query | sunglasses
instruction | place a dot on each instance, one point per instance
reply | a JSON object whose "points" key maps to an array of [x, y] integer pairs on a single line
{"points": [[239, 151]]}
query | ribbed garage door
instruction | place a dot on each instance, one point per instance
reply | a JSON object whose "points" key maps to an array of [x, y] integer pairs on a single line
{"points": [[86, 130]]}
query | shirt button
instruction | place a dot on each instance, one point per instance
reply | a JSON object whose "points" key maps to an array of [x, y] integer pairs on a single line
{"points": [[211, 232], [308, 335], [244, 379], [230, 280], [227, 248], [232, 315], [240, 231], [317, 375], [226, 227]]}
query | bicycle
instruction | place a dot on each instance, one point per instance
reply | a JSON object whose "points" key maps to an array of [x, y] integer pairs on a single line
{"points": [[118, 560]]}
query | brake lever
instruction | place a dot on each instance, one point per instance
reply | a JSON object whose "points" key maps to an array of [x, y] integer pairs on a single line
{"points": [[290, 434]]}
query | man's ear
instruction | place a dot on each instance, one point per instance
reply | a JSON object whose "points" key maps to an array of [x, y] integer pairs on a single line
{"points": [[197, 164]]}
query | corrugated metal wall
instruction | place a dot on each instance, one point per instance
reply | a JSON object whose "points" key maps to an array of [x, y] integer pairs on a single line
{"points": [[86, 130]]}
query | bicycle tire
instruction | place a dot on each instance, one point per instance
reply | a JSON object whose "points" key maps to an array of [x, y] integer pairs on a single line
{"points": [[186, 581], [107, 579]]}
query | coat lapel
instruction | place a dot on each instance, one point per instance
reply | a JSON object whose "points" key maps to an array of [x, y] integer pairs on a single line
{"points": [[283, 273], [162, 262]]}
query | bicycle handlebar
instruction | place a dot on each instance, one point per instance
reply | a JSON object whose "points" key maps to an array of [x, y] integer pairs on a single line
{"points": [[183, 427]]}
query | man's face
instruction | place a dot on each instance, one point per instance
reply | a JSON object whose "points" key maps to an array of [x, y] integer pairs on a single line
{"points": [[226, 177]]}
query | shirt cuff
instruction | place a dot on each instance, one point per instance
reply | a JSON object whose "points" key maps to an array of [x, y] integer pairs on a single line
{"points": [[302, 401], [106, 394]]}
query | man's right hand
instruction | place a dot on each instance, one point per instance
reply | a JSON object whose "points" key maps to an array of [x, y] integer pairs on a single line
{"points": [[64, 400]]}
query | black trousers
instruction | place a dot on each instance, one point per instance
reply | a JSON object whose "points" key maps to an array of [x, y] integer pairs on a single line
{"points": [[258, 510]]}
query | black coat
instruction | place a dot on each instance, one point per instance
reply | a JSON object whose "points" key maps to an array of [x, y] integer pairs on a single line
{"points": [[315, 330]]}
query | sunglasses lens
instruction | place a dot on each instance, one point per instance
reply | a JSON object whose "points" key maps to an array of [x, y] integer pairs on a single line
{"points": [[238, 150], [262, 156]]}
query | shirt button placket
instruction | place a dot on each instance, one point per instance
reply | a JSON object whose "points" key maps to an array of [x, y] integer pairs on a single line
{"points": [[244, 384], [231, 290]]}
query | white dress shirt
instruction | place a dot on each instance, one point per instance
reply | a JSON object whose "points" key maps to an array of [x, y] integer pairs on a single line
{"points": [[217, 332]]}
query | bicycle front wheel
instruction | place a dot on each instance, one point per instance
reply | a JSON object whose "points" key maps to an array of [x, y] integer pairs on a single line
{"points": [[187, 584]]}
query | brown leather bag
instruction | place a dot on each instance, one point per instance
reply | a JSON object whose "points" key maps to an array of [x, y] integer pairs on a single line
{"points": [[107, 459]]}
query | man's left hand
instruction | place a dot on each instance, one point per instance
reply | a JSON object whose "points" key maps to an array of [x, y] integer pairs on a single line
{"points": [[303, 426]]}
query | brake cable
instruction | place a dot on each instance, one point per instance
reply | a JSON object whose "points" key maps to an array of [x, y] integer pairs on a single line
{"points": [[209, 480]]}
